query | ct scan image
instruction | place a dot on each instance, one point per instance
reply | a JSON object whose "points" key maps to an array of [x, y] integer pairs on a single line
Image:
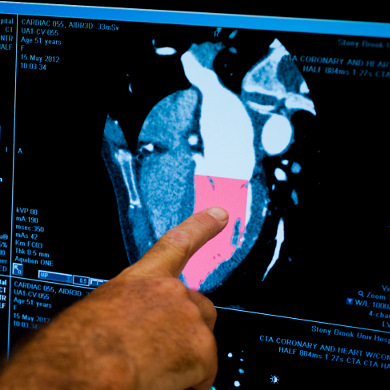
{"points": [[206, 144]]}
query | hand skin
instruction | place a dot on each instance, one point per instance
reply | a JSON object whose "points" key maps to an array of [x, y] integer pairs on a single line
{"points": [[142, 330]]}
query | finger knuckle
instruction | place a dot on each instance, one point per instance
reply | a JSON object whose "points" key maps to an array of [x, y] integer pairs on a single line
{"points": [[176, 286], [194, 312], [180, 240]]}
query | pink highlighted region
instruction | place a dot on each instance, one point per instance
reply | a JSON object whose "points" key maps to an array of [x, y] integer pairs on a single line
{"points": [[231, 194]]}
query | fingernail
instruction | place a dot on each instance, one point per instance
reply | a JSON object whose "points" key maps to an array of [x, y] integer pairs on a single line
{"points": [[218, 213]]}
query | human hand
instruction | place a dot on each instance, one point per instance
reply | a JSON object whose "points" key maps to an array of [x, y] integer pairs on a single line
{"points": [[142, 330]]}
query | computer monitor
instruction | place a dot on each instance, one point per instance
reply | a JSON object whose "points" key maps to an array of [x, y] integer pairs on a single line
{"points": [[117, 123]]}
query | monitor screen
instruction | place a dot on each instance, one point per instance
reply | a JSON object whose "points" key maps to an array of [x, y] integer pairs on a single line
{"points": [[116, 124]]}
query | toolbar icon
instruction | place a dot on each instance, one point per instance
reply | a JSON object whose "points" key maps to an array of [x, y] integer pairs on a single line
{"points": [[17, 269]]}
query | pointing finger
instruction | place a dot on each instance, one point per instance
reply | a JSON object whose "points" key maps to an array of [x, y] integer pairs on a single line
{"points": [[172, 251]]}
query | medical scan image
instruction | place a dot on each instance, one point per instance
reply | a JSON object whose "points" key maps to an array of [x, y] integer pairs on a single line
{"points": [[206, 145]]}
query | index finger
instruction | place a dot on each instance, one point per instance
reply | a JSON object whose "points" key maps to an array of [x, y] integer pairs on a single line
{"points": [[172, 251]]}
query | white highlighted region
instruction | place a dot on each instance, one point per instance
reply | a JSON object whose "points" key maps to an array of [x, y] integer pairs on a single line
{"points": [[277, 135], [279, 241], [225, 126]]}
